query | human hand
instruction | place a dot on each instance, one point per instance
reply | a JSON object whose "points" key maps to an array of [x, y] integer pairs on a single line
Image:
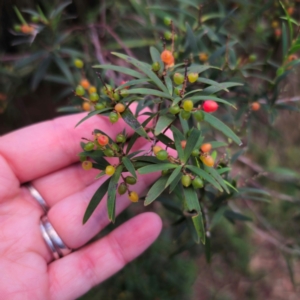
{"points": [[46, 155]]}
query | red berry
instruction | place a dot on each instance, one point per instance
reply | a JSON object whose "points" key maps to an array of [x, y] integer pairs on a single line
{"points": [[102, 140], [210, 106]]}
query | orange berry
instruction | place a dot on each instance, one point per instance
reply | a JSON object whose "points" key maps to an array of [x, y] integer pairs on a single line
{"points": [[167, 57], [255, 106], [119, 107], [85, 83], [87, 165], [156, 149], [123, 82], [86, 106], [183, 144], [102, 140], [133, 196], [206, 147], [92, 89], [292, 57], [26, 29], [277, 32], [203, 57], [290, 10], [207, 160]]}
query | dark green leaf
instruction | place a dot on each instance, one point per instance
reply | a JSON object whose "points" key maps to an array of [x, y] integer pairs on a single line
{"points": [[163, 122], [92, 113], [96, 200], [59, 9], [144, 91], [166, 140], [123, 70], [155, 55], [205, 176], [169, 84], [191, 200], [40, 72], [191, 39], [217, 176], [156, 167], [64, 68], [199, 226], [232, 215], [112, 192], [174, 175], [129, 166], [214, 89], [178, 137], [193, 140], [213, 121], [175, 183], [156, 189], [132, 82], [130, 120]]}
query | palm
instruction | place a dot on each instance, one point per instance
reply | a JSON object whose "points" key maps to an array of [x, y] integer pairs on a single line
{"points": [[25, 261]]}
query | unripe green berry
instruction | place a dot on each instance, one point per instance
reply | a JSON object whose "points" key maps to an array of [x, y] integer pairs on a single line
{"points": [[116, 96], [165, 172], [155, 66], [106, 89], [197, 183], [177, 91], [113, 117], [115, 147], [109, 153], [130, 180], [78, 63], [192, 77], [17, 28], [162, 155], [252, 58], [122, 189], [186, 180], [174, 109], [94, 97], [185, 115], [178, 78], [199, 115], [89, 146], [168, 35], [195, 152], [120, 138], [80, 90], [100, 106], [188, 105], [82, 157], [167, 21]]}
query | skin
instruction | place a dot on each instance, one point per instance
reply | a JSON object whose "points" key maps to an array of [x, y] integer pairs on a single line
{"points": [[46, 155]]}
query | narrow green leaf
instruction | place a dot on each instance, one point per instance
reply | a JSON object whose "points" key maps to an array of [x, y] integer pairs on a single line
{"points": [[92, 113], [132, 82], [166, 140], [169, 84], [123, 70], [192, 141], [96, 200], [191, 199], [195, 99], [64, 68], [175, 183], [177, 135], [230, 214], [199, 226], [223, 170], [143, 91], [145, 69], [156, 189], [130, 120], [191, 39], [213, 83], [217, 144], [112, 192], [163, 122], [216, 123], [156, 167], [284, 41], [40, 72], [174, 175], [59, 9], [217, 176], [205, 176], [129, 166], [214, 89]]}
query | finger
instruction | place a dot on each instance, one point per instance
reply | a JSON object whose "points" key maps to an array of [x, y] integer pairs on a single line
{"points": [[66, 216], [72, 179], [77, 273], [51, 145]]}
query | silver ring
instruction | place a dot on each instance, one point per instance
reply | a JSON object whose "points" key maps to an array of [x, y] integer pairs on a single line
{"points": [[52, 239], [37, 196]]}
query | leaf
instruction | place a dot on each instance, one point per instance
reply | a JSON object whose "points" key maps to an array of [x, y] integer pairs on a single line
{"points": [[99, 194], [59, 9], [232, 215], [64, 68], [112, 192], [129, 166], [130, 120], [156, 167], [169, 84], [174, 175], [216, 123], [152, 92], [155, 55], [175, 182], [123, 70], [214, 89], [177, 135], [213, 83], [166, 140], [191, 199], [163, 122], [145, 69], [217, 176], [92, 113], [191, 39], [40, 72], [284, 41], [192, 141], [131, 82], [199, 226], [156, 189], [205, 176], [195, 99]]}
